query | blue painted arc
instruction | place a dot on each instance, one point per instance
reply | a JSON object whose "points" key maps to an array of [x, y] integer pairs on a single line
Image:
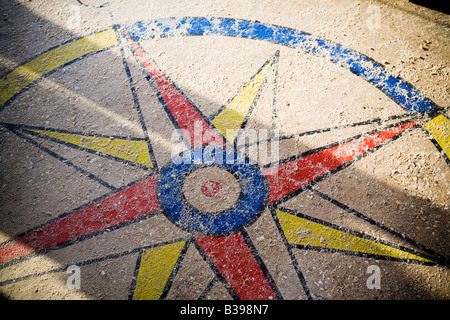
{"points": [[371, 71]]}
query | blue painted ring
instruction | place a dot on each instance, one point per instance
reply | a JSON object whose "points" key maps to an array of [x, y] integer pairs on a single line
{"points": [[252, 201]]}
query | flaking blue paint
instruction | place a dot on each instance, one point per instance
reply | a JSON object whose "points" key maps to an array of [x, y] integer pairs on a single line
{"points": [[371, 71]]}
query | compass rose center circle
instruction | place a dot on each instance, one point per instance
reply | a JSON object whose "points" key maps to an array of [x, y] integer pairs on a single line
{"points": [[212, 191]]}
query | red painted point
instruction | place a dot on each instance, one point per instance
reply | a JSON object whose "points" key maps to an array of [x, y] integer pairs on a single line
{"points": [[211, 188]]}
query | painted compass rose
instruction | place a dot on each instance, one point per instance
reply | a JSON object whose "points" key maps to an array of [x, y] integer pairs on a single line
{"points": [[213, 199]]}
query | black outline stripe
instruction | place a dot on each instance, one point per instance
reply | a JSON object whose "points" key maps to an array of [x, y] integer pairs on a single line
{"points": [[208, 288], [107, 136], [92, 6], [275, 94], [135, 97]]}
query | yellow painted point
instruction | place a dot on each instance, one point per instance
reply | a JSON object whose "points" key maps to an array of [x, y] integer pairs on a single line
{"points": [[22, 76], [231, 118], [155, 268], [304, 232], [439, 127], [135, 151]]}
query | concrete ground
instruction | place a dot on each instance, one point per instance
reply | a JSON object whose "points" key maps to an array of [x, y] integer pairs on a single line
{"points": [[224, 150]]}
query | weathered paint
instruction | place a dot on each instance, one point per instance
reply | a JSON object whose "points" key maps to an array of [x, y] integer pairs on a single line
{"points": [[133, 202], [155, 267], [309, 233], [184, 114], [231, 118], [232, 257], [135, 151], [290, 176], [439, 127], [235, 262], [22, 76]]}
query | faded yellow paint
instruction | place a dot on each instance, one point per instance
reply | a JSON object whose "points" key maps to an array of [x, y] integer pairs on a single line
{"points": [[135, 151], [232, 117], [439, 127], [155, 268], [22, 76], [304, 232]]}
